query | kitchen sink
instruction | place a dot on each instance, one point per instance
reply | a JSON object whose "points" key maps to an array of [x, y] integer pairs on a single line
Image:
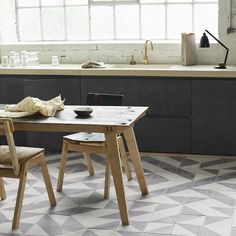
{"points": [[141, 66]]}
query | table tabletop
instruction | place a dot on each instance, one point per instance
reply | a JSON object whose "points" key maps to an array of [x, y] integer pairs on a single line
{"points": [[117, 117]]}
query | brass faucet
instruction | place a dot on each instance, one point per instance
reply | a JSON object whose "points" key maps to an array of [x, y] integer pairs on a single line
{"points": [[145, 57]]}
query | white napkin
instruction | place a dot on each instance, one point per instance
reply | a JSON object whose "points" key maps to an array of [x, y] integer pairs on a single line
{"points": [[93, 64], [30, 105]]}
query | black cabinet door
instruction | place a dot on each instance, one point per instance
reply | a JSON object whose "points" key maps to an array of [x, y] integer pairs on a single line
{"points": [[214, 117], [164, 134], [11, 92], [11, 89], [166, 97], [46, 88]]}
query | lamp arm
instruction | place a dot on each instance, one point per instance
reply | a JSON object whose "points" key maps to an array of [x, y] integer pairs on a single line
{"points": [[226, 56], [216, 39], [227, 50]]}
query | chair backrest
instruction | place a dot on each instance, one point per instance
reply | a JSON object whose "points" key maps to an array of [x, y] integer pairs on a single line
{"points": [[7, 129], [103, 99]]}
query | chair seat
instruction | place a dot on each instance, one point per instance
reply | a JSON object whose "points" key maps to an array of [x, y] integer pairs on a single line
{"points": [[85, 137], [23, 154]]}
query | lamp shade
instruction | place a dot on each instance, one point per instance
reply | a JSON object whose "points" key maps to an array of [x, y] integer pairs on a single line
{"points": [[204, 42]]}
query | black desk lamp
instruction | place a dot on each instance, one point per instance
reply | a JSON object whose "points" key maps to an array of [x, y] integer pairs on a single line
{"points": [[204, 43]]}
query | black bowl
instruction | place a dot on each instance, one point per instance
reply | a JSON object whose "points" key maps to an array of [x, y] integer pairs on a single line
{"points": [[83, 111]]}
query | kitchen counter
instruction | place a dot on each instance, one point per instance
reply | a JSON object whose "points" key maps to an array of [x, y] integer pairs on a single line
{"points": [[163, 70]]}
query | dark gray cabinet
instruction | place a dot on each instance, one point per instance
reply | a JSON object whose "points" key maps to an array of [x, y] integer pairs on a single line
{"points": [[186, 115], [167, 126], [11, 92], [46, 88], [214, 116], [11, 89]]}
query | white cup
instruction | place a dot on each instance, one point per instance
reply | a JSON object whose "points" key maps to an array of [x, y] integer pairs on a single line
{"points": [[55, 61], [4, 61], [12, 61], [24, 60]]}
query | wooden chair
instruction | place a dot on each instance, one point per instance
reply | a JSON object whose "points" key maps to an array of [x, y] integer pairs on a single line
{"points": [[15, 162], [93, 143]]}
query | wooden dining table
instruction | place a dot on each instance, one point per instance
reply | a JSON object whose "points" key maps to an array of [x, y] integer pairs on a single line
{"points": [[110, 120]]}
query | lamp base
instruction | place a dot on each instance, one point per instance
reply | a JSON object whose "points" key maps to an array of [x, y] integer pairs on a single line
{"points": [[220, 66]]}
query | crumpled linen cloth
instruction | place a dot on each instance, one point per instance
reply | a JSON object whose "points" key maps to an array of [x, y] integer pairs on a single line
{"points": [[31, 105]]}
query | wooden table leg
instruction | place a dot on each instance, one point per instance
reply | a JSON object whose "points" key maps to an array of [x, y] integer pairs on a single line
{"points": [[113, 155], [135, 156]]}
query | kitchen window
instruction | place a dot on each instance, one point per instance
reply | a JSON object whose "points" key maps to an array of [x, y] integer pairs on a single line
{"points": [[72, 20]]}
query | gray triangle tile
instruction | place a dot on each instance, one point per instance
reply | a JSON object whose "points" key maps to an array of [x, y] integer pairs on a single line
{"points": [[187, 162], [227, 211], [194, 229], [189, 211], [212, 171], [193, 199], [207, 232], [212, 219]]}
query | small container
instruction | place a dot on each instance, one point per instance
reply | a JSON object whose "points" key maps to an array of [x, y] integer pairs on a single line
{"points": [[55, 61], [132, 60]]}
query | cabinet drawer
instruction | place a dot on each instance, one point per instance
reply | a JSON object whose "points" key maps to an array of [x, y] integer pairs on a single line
{"points": [[165, 97]]}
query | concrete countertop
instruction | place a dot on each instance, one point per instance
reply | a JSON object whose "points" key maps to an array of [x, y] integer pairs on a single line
{"points": [[163, 70]]}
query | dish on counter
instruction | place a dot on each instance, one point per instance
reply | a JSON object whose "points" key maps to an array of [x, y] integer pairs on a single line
{"points": [[83, 111]]}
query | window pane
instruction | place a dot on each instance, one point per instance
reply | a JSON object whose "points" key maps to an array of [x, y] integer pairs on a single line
{"points": [[127, 21], [97, 1], [51, 2], [203, 20], [117, 1], [76, 2], [53, 23], [153, 21], [179, 20], [27, 3], [179, 1], [128, 1], [77, 20], [102, 22], [152, 1], [216, 1], [29, 24]]}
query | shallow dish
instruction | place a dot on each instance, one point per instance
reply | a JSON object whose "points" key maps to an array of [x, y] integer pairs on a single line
{"points": [[83, 111]]}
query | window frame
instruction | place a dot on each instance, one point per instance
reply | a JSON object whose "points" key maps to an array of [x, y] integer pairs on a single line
{"points": [[112, 3]]}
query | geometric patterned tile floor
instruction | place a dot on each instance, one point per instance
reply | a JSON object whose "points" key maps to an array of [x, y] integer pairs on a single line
{"points": [[188, 196]]}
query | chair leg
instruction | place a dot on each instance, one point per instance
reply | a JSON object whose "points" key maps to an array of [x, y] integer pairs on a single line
{"points": [[20, 195], [48, 183], [88, 163], [124, 158], [107, 179], [62, 166], [2, 190]]}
